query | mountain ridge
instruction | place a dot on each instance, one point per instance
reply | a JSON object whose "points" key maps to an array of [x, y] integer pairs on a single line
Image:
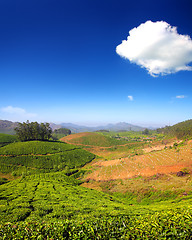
{"points": [[121, 126], [9, 126]]}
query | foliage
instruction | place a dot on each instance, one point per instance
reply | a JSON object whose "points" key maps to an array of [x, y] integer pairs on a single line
{"points": [[33, 131], [182, 130], [3, 180], [172, 224], [96, 139], [6, 138], [146, 131], [37, 156], [52, 196], [60, 133], [53, 206], [64, 131], [35, 148], [133, 135]]}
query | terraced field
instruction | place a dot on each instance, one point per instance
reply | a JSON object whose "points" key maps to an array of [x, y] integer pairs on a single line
{"points": [[164, 161], [51, 196], [35, 156], [53, 206]]}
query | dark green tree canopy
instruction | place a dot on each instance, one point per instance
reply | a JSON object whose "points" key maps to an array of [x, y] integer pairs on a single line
{"points": [[146, 132], [33, 131], [64, 131]]}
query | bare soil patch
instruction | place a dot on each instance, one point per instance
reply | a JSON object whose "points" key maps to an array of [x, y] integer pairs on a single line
{"points": [[160, 146], [74, 136], [162, 161]]}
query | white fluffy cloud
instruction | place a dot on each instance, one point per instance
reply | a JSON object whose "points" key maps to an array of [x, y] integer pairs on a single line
{"points": [[157, 47], [130, 98], [17, 112], [181, 96]]}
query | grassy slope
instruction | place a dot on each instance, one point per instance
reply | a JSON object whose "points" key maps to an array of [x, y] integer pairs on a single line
{"points": [[93, 139], [182, 130]]}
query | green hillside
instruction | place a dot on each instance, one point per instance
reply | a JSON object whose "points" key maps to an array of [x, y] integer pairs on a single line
{"points": [[6, 139], [53, 206], [52, 196], [93, 139], [182, 130], [37, 156]]}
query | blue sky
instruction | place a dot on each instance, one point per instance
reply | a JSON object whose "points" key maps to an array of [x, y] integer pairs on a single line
{"points": [[58, 62]]}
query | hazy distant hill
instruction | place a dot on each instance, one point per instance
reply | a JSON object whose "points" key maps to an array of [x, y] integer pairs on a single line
{"points": [[122, 126], [7, 126], [55, 126]]}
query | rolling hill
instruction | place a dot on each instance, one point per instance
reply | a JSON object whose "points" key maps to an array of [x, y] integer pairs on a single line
{"points": [[92, 139], [182, 130], [37, 156], [121, 126], [6, 139]]}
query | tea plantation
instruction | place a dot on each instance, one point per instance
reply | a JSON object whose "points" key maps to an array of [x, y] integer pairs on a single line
{"points": [[36, 156], [46, 200], [6, 139], [53, 206]]}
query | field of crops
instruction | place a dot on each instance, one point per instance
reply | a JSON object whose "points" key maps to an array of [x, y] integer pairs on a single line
{"points": [[164, 161], [48, 201], [172, 224], [36, 156], [50, 196], [6, 139], [53, 206], [93, 139]]}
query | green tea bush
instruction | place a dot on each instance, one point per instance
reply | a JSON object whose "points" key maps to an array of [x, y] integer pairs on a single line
{"points": [[35, 147], [161, 225], [25, 158], [6, 138]]}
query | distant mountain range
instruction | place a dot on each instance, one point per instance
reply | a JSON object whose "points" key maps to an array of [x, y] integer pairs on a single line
{"points": [[8, 127], [122, 126]]}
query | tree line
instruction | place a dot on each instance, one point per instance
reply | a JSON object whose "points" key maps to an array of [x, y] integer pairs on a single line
{"points": [[33, 131], [180, 130]]}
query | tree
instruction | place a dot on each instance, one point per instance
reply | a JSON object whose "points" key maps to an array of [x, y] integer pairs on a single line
{"points": [[64, 131], [145, 132], [33, 131]]}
